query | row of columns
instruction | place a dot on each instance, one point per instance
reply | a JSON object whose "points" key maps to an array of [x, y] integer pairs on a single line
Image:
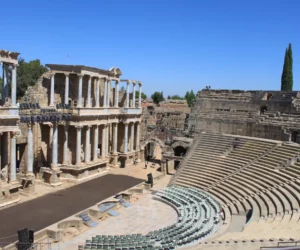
{"points": [[106, 94], [13, 83], [137, 142], [13, 155]]}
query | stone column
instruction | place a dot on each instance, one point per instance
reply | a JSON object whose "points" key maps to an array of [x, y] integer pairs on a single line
{"points": [[87, 155], [54, 145], [103, 142], [126, 138], [78, 145], [95, 148], [4, 84], [79, 102], [108, 92], [29, 149], [89, 102], [137, 143], [127, 95], [52, 90], [66, 88], [115, 150], [117, 94], [133, 95], [66, 152], [13, 156], [105, 93], [14, 85], [140, 95], [98, 93], [132, 138], [107, 139]]}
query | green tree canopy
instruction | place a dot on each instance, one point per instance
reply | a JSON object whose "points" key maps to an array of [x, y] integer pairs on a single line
{"points": [[27, 74], [144, 96], [157, 97], [287, 71], [176, 97], [190, 97]]}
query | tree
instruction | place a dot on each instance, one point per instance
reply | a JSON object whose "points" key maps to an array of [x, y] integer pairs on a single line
{"points": [[287, 71], [176, 97], [157, 97], [27, 74], [190, 97], [143, 95]]}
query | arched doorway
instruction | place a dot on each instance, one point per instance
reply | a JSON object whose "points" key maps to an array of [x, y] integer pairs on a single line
{"points": [[295, 137], [153, 150], [263, 109]]}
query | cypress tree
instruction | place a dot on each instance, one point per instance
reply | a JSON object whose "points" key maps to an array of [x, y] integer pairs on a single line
{"points": [[285, 73], [290, 75]]}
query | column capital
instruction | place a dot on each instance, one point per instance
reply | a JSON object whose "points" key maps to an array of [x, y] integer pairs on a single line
{"points": [[29, 125], [126, 123], [140, 84], [52, 74], [13, 134], [80, 75], [133, 83], [66, 127], [89, 77], [78, 127], [88, 126], [108, 79], [14, 65], [66, 74], [128, 82]]}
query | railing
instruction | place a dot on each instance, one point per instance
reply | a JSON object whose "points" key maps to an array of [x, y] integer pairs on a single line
{"points": [[284, 244]]}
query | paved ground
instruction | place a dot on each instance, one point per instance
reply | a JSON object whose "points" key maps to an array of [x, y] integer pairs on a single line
{"points": [[44, 211], [143, 216]]}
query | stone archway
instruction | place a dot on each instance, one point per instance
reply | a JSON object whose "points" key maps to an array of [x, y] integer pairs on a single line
{"points": [[179, 148], [153, 141], [181, 144]]}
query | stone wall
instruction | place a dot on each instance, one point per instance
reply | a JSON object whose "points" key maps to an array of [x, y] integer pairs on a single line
{"points": [[265, 114]]}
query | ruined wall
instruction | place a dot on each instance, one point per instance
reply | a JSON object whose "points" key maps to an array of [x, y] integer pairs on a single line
{"points": [[265, 114]]}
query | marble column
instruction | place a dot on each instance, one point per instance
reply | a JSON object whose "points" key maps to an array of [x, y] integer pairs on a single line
{"points": [[14, 85], [66, 152], [4, 84], [105, 93], [103, 142], [87, 157], [66, 88], [78, 145], [4, 156], [133, 95], [107, 140], [126, 138], [79, 102], [127, 95], [54, 145], [137, 143], [95, 148], [132, 137], [117, 94], [89, 100], [140, 95], [108, 92], [98, 93], [52, 89], [115, 146], [13, 160], [29, 149]]}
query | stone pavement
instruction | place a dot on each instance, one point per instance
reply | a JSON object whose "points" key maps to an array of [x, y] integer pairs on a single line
{"points": [[143, 216]]}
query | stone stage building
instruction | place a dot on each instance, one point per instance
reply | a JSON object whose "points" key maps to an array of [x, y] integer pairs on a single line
{"points": [[264, 114], [74, 124], [9, 129]]}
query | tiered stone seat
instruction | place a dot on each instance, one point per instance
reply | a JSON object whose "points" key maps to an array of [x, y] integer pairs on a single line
{"points": [[260, 175]]}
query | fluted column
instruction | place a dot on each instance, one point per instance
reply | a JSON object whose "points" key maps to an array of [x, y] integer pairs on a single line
{"points": [[87, 152], [89, 102], [107, 139], [108, 92], [52, 89], [66, 153], [105, 93], [133, 95], [98, 93], [29, 149], [115, 136], [126, 138], [79, 102], [137, 143], [117, 94], [103, 142], [132, 138], [14, 85], [54, 145], [13, 160], [66, 88], [127, 95], [95, 148], [140, 95], [78, 145], [4, 83]]}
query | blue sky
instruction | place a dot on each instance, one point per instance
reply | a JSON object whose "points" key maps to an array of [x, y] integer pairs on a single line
{"points": [[170, 45]]}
